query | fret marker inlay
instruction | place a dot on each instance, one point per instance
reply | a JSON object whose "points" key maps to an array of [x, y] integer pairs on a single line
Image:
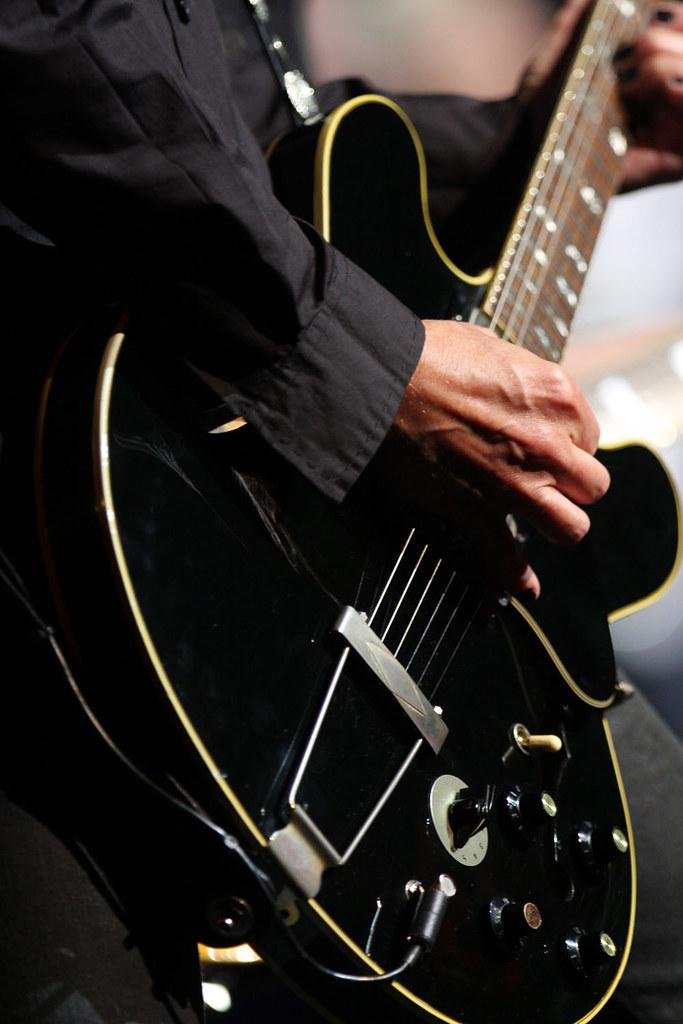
{"points": [[617, 140], [592, 200]]}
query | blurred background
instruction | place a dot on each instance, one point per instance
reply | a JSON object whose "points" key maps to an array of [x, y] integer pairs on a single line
{"points": [[627, 345]]}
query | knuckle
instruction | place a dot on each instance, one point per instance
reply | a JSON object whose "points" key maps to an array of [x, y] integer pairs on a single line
{"points": [[560, 386]]}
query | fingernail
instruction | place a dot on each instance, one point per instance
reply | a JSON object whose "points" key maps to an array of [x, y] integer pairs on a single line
{"points": [[626, 75], [623, 52], [529, 583], [664, 16]]}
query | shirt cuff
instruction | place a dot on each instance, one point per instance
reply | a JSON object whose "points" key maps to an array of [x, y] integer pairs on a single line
{"points": [[329, 402]]}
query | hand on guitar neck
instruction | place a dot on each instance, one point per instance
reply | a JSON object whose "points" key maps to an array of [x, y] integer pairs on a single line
{"points": [[485, 429], [651, 76], [649, 70]]}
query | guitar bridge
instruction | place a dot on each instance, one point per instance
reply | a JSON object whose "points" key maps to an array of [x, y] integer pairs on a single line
{"points": [[365, 642]]}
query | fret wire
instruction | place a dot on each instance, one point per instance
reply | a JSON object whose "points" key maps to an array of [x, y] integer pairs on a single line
{"points": [[559, 179], [570, 173], [608, 171], [566, 127], [558, 211], [534, 233], [584, 234], [533, 227]]}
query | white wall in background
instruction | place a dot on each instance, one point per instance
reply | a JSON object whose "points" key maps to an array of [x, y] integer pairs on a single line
{"points": [[432, 46]]}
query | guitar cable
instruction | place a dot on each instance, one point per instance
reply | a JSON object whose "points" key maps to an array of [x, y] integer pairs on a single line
{"points": [[431, 909]]}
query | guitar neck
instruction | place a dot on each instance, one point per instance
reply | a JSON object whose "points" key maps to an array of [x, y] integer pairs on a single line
{"points": [[536, 286]]}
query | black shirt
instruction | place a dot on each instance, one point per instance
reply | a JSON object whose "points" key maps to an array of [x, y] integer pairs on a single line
{"points": [[127, 148]]}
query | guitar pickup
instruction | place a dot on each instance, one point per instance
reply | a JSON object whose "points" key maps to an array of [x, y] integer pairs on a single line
{"points": [[353, 627]]}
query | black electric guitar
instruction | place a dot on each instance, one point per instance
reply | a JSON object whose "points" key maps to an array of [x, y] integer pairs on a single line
{"points": [[322, 681]]}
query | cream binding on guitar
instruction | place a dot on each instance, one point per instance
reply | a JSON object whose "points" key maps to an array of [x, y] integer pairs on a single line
{"points": [[321, 681]]}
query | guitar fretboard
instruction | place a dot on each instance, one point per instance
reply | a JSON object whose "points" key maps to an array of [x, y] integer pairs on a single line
{"points": [[536, 286]]}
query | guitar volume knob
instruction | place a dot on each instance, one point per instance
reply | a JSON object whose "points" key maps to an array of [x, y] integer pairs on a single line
{"points": [[528, 809], [598, 845], [588, 951], [513, 921]]}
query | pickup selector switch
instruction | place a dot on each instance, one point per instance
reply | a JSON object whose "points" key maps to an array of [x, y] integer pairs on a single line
{"points": [[598, 845], [466, 816], [459, 815]]}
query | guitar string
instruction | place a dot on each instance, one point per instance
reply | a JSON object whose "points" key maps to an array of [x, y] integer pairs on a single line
{"points": [[417, 607], [403, 596], [565, 181], [407, 588], [457, 646], [559, 175], [409, 585], [605, 172], [565, 175], [429, 622], [451, 619], [533, 230], [10, 577], [391, 576], [423, 637]]}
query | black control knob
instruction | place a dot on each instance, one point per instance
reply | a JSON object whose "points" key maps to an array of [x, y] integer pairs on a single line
{"points": [[598, 845], [467, 815], [513, 921], [530, 808], [587, 951]]}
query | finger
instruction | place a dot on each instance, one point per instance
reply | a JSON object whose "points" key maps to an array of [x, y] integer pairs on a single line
{"points": [[451, 507], [581, 478], [554, 516], [566, 410], [657, 39], [657, 77], [494, 557], [670, 14], [647, 165], [550, 500], [587, 436]]}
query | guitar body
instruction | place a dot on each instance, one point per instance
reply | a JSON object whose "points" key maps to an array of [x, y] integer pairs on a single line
{"points": [[214, 654]]}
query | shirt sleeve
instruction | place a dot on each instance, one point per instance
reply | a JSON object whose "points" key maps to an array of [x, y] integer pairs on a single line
{"points": [[125, 148]]}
